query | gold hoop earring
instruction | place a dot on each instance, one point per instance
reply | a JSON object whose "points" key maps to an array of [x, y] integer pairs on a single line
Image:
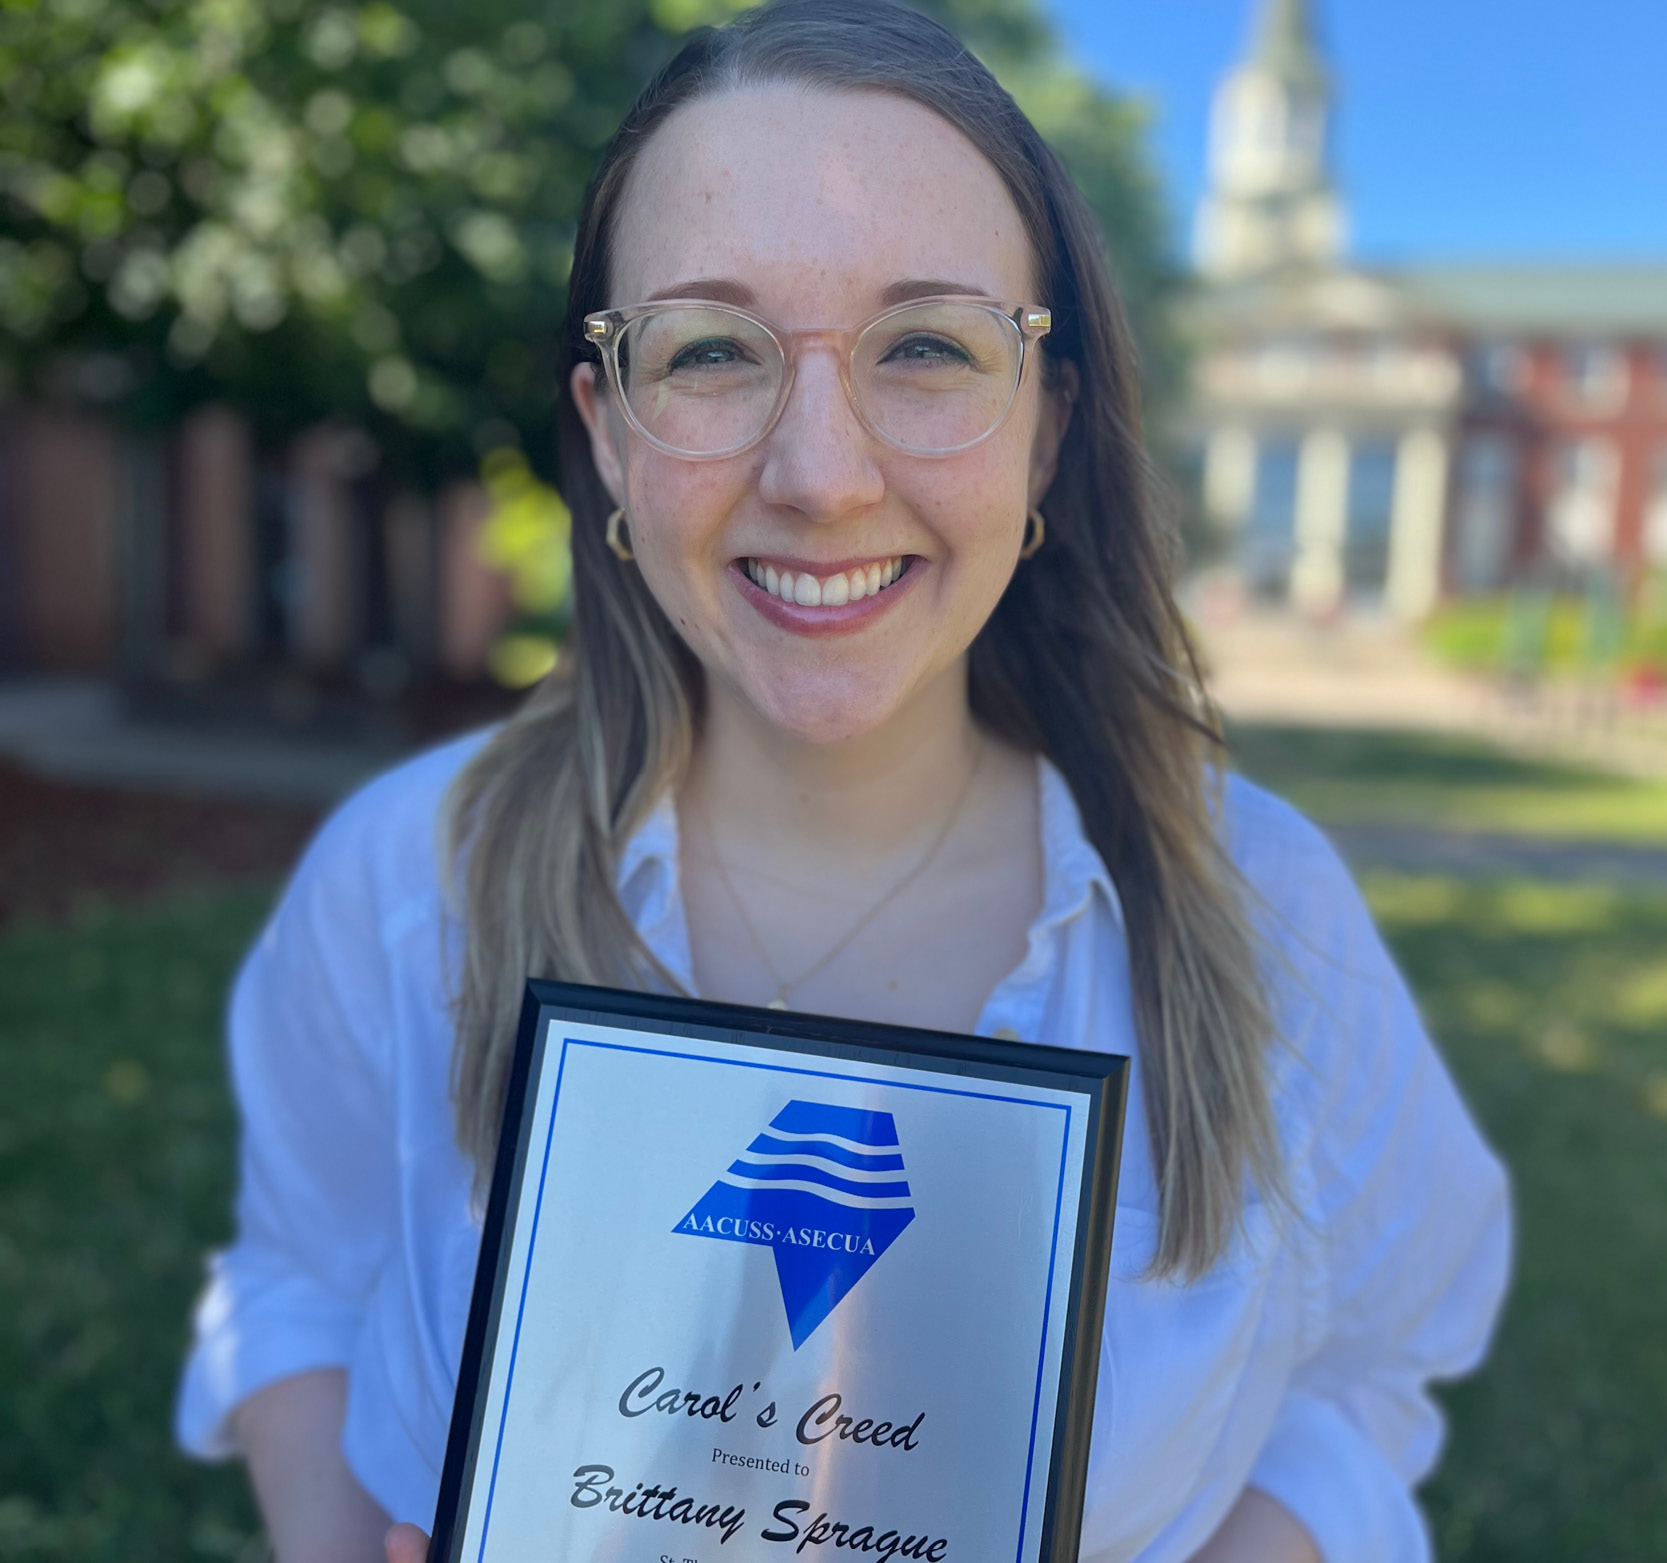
{"points": [[622, 550], [1036, 528]]}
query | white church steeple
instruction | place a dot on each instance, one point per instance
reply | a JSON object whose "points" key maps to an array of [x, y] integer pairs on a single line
{"points": [[1270, 202]]}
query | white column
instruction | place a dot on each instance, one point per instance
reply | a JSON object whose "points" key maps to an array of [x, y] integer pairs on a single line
{"points": [[1415, 532], [1321, 521], [1229, 476]]}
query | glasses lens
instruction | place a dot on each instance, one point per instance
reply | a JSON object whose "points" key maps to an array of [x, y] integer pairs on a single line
{"points": [[700, 379], [937, 376]]}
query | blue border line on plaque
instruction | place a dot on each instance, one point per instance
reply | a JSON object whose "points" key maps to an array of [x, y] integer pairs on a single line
{"points": [[780, 1069]]}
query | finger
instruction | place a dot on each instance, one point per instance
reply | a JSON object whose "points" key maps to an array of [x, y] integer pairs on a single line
{"points": [[406, 1544]]}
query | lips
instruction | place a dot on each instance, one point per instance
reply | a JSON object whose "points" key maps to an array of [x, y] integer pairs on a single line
{"points": [[838, 598]]}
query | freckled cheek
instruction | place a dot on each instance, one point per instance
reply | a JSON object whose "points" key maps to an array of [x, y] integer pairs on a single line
{"points": [[679, 509], [979, 515]]}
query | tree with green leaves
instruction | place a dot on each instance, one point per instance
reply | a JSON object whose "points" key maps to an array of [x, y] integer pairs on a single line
{"points": [[316, 209]]}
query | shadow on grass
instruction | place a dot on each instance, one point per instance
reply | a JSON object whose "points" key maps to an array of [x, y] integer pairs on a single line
{"points": [[1380, 758], [1447, 782]]}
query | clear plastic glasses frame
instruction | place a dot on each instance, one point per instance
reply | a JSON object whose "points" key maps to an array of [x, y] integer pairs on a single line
{"points": [[1018, 326]]}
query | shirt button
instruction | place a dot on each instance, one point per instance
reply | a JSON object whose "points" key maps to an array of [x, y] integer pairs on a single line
{"points": [[1006, 1034]]}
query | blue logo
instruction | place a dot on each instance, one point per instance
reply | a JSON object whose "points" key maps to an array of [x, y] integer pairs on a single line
{"points": [[822, 1186]]}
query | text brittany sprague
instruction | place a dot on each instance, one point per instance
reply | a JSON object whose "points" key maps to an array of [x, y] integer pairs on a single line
{"points": [[787, 1520]]}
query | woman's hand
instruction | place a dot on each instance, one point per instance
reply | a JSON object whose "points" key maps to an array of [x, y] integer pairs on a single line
{"points": [[407, 1544], [1258, 1530]]}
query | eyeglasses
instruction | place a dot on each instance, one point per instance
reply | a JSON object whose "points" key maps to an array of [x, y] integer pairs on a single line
{"points": [[703, 380]]}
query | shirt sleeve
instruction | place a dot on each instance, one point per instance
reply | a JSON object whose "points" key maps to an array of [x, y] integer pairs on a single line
{"points": [[316, 1202], [1410, 1223]]}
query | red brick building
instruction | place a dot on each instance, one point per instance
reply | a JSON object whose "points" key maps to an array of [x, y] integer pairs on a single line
{"points": [[171, 558], [1563, 436]]}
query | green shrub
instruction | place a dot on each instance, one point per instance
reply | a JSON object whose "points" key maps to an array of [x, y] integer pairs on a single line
{"points": [[1536, 633]]}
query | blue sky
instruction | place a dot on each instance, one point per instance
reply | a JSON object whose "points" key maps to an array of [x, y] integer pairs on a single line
{"points": [[1465, 128]]}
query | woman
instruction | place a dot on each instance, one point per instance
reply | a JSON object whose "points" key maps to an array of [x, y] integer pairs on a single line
{"points": [[877, 704]]}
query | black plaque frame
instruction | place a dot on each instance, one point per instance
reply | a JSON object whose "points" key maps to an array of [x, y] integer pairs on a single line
{"points": [[1102, 1077]]}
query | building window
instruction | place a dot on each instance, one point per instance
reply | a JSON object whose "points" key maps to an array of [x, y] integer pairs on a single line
{"points": [[1371, 509], [1484, 523], [1580, 520], [1655, 511], [1595, 373], [1270, 529], [1497, 368]]}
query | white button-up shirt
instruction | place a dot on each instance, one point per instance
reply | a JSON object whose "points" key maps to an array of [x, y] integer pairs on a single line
{"points": [[1300, 1364]]}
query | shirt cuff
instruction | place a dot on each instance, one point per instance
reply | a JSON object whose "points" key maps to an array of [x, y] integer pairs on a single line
{"points": [[256, 1322], [1352, 1501]]}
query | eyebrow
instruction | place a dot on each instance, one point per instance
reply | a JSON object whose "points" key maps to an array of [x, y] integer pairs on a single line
{"points": [[728, 290], [927, 287], [720, 290]]}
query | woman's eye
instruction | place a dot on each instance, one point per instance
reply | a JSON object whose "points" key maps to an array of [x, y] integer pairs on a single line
{"points": [[708, 353], [929, 350]]}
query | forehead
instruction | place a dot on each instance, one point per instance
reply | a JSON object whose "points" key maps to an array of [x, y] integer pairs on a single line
{"points": [[817, 201]]}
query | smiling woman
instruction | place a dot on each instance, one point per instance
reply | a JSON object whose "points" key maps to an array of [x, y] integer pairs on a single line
{"points": [[877, 703]]}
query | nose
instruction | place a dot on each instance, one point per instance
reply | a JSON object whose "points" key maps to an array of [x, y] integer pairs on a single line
{"points": [[819, 459]]}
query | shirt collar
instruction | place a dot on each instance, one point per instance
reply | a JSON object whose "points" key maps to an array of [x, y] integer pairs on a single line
{"points": [[650, 888], [1072, 868], [1072, 873]]}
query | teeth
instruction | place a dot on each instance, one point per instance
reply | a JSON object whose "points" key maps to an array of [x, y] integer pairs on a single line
{"points": [[833, 591]]}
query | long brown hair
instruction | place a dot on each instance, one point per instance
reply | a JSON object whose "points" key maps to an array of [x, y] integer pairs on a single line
{"points": [[1085, 660]]}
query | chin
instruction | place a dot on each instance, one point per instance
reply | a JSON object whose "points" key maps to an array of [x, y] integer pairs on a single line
{"points": [[813, 713]]}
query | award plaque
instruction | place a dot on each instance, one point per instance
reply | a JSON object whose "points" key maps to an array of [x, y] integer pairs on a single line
{"points": [[777, 1288]]}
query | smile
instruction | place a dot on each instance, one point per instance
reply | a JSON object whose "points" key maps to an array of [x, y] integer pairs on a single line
{"points": [[826, 591]]}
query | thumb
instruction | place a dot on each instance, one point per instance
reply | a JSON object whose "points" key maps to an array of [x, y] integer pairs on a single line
{"points": [[406, 1544]]}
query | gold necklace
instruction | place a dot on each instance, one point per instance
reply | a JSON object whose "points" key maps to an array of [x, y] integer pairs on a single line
{"points": [[785, 986]]}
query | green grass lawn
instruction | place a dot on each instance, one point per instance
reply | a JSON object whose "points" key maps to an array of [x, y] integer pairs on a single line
{"points": [[1345, 777], [116, 1154], [116, 1167]]}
